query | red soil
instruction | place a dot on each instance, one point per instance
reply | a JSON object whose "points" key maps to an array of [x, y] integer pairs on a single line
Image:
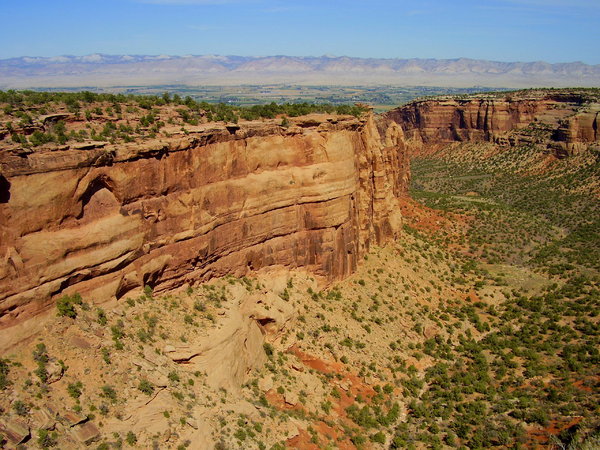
{"points": [[429, 220], [540, 438], [355, 387]]}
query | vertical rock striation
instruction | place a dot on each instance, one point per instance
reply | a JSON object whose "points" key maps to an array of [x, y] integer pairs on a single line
{"points": [[571, 119]]}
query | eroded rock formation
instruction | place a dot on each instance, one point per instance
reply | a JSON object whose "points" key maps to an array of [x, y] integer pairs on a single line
{"points": [[565, 121], [107, 220]]}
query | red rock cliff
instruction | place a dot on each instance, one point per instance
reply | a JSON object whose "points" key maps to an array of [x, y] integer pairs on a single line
{"points": [[572, 118], [105, 221]]}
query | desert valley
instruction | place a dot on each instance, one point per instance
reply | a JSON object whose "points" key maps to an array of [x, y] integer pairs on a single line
{"points": [[179, 274]]}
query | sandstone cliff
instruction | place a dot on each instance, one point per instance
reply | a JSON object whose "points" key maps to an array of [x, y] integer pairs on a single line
{"points": [[562, 120], [226, 199]]}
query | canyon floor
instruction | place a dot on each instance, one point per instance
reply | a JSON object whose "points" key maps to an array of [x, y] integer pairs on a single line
{"points": [[477, 328]]}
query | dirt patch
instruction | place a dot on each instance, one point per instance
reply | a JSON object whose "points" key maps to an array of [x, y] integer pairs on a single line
{"points": [[356, 386], [325, 434], [431, 221], [348, 385], [302, 441], [540, 438], [278, 401]]}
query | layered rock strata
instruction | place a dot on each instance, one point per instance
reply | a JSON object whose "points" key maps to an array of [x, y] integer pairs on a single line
{"points": [[565, 122], [105, 220]]}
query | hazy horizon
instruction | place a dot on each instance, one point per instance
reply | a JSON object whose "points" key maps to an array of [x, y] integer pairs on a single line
{"points": [[102, 70], [554, 31], [306, 56]]}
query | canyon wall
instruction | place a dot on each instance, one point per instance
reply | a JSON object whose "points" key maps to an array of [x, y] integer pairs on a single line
{"points": [[565, 120], [106, 220]]}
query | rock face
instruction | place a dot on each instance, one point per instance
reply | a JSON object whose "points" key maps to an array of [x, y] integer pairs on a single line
{"points": [[571, 118], [109, 220]]}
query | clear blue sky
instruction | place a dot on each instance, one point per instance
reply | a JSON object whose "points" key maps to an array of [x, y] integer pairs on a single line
{"points": [[503, 30]]}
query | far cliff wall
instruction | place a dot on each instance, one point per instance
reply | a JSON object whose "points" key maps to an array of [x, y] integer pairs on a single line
{"points": [[572, 118], [227, 200]]}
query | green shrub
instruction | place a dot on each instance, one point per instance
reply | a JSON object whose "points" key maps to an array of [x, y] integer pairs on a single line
{"points": [[131, 438], [146, 387], [41, 372], [269, 350], [106, 355], [199, 306], [46, 439], [74, 389], [21, 408], [40, 355], [378, 437], [109, 393], [39, 138], [101, 317], [240, 434], [4, 371], [66, 305]]}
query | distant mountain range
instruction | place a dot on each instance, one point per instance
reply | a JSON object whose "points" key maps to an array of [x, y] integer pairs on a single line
{"points": [[143, 70]]}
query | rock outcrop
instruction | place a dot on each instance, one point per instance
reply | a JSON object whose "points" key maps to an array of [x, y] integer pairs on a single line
{"points": [[231, 350], [106, 220], [565, 121]]}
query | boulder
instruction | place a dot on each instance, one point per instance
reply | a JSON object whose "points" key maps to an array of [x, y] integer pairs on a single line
{"points": [[290, 398], [55, 371], [16, 430], [86, 433]]}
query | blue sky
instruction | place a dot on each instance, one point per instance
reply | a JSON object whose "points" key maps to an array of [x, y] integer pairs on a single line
{"points": [[503, 30]]}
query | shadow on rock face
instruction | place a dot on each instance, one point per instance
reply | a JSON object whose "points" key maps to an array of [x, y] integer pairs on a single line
{"points": [[4, 189], [98, 199]]}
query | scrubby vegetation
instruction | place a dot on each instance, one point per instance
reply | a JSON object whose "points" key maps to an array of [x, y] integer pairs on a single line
{"points": [[549, 220], [34, 118], [534, 359], [582, 95]]}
